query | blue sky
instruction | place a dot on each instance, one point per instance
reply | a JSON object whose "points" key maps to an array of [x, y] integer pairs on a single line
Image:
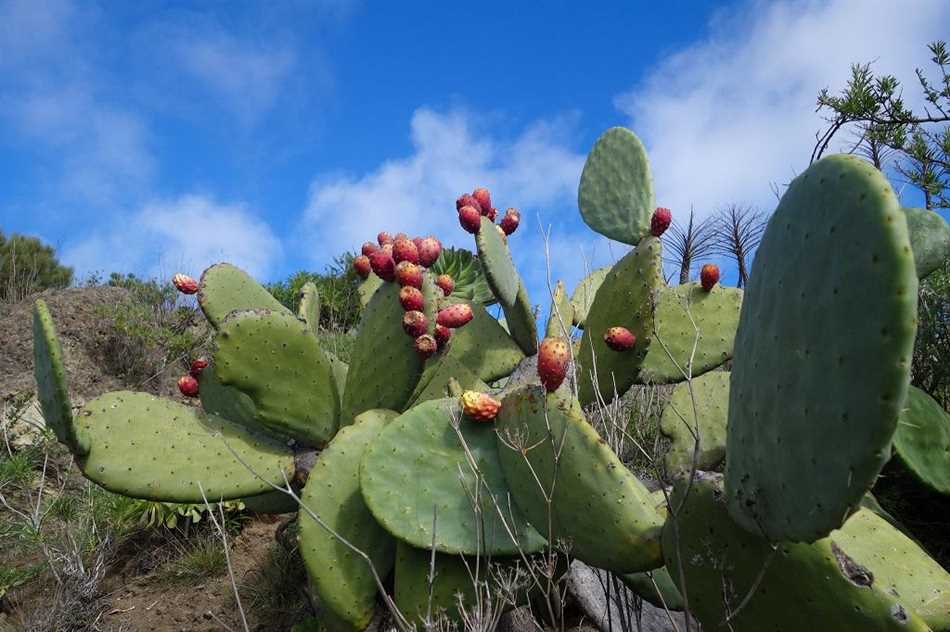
{"points": [[163, 136]]}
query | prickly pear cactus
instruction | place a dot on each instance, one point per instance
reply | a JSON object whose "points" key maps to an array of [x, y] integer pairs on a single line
{"points": [[823, 353], [561, 314], [423, 593], [485, 347], [466, 270], [584, 293], [496, 262], [51, 386], [226, 288], [308, 307], [695, 422], [923, 439], [929, 238]]}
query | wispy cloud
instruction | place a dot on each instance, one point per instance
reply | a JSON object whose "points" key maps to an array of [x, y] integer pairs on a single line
{"points": [[730, 115], [187, 233]]}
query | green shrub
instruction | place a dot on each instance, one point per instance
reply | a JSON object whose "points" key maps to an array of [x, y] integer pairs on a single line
{"points": [[932, 347], [27, 265], [337, 286]]}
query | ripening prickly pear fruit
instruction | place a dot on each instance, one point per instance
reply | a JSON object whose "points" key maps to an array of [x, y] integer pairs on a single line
{"points": [[442, 335], [384, 238], [470, 219], [405, 250], [417, 242], [383, 265], [454, 316], [388, 249], [369, 248], [492, 214], [188, 386], [429, 250], [400, 236], [709, 276], [619, 338], [509, 223], [411, 299], [425, 346], [660, 221], [553, 359], [408, 274], [185, 284], [445, 282], [480, 406], [467, 200], [483, 197], [197, 366], [362, 265], [415, 323]]}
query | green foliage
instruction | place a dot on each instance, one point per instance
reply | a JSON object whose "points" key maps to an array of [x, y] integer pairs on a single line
{"points": [[931, 370], [27, 265], [337, 286], [151, 514], [201, 559]]}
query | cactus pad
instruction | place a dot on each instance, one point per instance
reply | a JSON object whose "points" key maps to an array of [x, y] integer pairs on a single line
{"points": [[226, 288], [435, 380], [412, 579], [823, 353], [485, 347], [616, 191], [797, 587], [584, 293], [272, 502], [929, 238], [340, 577], [655, 587], [227, 401], [466, 270], [561, 315], [521, 322], [598, 505], [418, 466], [148, 447], [923, 439], [711, 395], [384, 368], [308, 307], [51, 388], [686, 316], [368, 287], [276, 360], [496, 263], [625, 299]]}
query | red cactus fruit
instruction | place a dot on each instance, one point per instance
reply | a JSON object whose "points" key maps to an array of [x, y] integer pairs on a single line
{"points": [[660, 221], [442, 335], [197, 366], [415, 323], [387, 248], [492, 214], [454, 316], [400, 236], [425, 346], [188, 386], [185, 284], [480, 406], [408, 273], [384, 238], [417, 242], [470, 219], [509, 223], [429, 250], [411, 299], [445, 282], [383, 265], [362, 265], [619, 338], [467, 200], [553, 359], [484, 199], [405, 250], [709, 276], [369, 248]]}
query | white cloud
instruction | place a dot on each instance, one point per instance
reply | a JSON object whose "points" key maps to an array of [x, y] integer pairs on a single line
{"points": [[724, 118], [185, 234]]}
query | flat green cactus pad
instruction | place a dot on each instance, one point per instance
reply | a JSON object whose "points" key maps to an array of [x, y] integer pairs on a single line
{"points": [[384, 368], [340, 369], [796, 587], [616, 191], [412, 583], [368, 287], [691, 325], [227, 401], [710, 393], [226, 288], [340, 577], [899, 566], [308, 308], [148, 447], [584, 293], [597, 503], [823, 353], [625, 299], [485, 347], [418, 466], [929, 238], [496, 262], [655, 587], [466, 270], [561, 314], [435, 380], [51, 387], [276, 360], [272, 502], [923, 439], [520, 319]]}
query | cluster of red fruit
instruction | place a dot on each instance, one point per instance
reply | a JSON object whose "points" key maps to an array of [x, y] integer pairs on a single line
{"points": [[188, 384], [472, 207]]}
